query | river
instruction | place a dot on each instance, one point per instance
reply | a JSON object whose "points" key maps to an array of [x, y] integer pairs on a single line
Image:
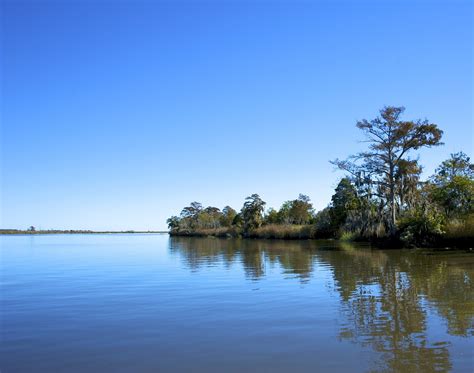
{"points": [[154, 303]]}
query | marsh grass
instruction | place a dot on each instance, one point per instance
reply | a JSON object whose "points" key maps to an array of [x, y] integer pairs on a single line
{"points": [[459, 232], [285, 232]]}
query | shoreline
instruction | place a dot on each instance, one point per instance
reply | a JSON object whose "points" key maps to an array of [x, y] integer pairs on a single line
{"points": [[13, 232], [442, 243], [445, 244]]}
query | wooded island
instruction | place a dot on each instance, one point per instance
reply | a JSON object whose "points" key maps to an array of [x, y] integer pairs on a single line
{"points": [[382, 197]]}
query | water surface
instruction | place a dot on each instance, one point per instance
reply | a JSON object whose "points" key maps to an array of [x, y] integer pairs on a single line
{"points": [[149, 303]]}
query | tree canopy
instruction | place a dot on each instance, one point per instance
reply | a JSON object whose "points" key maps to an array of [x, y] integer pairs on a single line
{"points": [[386, 166]]}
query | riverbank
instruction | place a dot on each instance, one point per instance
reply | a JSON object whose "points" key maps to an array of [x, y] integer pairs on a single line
{"points": [[55, 231], [309, 232], [271, 231]]}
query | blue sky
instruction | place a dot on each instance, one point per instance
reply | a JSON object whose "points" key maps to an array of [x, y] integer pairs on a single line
{"points": [[115, 115]]}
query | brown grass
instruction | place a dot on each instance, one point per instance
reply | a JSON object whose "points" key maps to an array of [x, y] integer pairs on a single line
{"points": [[285, 232], [460, 229]]}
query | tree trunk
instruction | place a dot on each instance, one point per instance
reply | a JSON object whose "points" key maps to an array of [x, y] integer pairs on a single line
{"points": [[393, 216]]}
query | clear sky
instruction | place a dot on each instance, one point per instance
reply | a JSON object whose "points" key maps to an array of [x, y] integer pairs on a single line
{"points": [[116, 114]]}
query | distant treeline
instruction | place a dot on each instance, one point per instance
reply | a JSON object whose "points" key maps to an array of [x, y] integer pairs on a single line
{"points": [[381, 198], [32, 230]]}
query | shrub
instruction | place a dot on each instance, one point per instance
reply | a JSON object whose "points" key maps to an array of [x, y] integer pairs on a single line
{"points": [[421, 228], [348, 235]]}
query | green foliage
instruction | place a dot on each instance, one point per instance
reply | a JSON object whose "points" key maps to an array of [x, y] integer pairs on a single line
{"points": [[323, 224], [227, 217], [347, 236], [252, 212], [458, 164], [238, 221], [421, 228], [194, 217], [190, 216], [271, 217], [173, 223], [455, 196], [298, 211], [301, 210], [284, 213], [452, 186], [209, 218], [343, 201]]}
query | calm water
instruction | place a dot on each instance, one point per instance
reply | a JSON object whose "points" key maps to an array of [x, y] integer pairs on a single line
{"points": [[149, 303]]}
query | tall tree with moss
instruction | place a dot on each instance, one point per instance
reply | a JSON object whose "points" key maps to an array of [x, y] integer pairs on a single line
{"points": [[390, 142]]}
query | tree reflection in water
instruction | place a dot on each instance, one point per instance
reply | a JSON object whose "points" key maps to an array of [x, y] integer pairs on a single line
{"points": [[385, 296]]}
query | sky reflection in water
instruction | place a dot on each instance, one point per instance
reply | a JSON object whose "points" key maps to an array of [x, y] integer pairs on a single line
{"points": [[150, 302]]}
